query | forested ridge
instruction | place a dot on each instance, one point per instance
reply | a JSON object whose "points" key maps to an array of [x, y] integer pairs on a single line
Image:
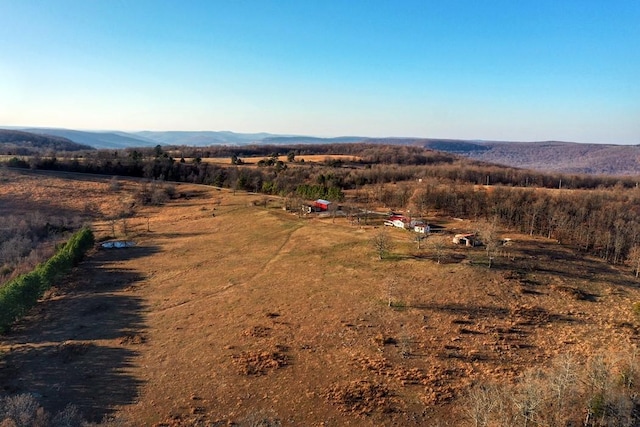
{"points": [[604, 223], [371, 164], [14, 142], [554, 156]]}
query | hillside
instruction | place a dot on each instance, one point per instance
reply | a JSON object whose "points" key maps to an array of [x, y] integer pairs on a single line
{"points": [[551, 156], [231, 310], [547, 156], [20, 142], [97, 139], [204, 138], [284, 140]]}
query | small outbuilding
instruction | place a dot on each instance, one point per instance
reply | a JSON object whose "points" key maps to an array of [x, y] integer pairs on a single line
{"points": [[399, 221], [322, 204], [117, 244], [419, 226], [465, 239], [422, 228]]}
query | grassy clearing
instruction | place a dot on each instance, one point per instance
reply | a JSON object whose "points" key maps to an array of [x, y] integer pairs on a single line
{"points": [[255, 310], [312, 158]]}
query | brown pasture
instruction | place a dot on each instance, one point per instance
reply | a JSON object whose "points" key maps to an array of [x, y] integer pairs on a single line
{"points": [[312, 158], [227, 311]]}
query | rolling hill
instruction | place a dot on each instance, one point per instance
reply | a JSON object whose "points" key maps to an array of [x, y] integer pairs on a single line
{"points": [[206, 138], [547, 156], [20, 142], [550, 156], [97, 139], [203, 138]]}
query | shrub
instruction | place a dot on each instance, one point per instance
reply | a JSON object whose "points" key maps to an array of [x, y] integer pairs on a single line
{"points": [[23, 292], [25, 410], [22, 410], [15, 162]]}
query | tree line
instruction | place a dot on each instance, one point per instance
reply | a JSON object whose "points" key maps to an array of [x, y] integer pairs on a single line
{"points": [[371, 164], [20, 294], [604, 223]]}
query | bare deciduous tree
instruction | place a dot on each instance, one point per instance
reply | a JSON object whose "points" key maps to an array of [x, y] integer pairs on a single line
{"points": [[417, 238], [594, 394], [391, 285], [487, 232], [333, 211], [562, 383], [529, 399], [437, 245], [634, 259], [480, 404], [382, 243]]}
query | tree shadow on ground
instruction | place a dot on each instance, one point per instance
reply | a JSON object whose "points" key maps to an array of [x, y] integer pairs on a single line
{"points": [[560, 261], [524, 316], [90, 376], [77, 345], [19, 207]]}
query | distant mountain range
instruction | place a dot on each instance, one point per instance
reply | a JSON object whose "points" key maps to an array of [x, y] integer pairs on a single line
{"points": [[550, 156], [117, 139], [98, 139]]}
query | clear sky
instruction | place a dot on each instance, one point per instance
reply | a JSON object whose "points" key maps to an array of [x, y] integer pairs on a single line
{"points": [[476, 69]]}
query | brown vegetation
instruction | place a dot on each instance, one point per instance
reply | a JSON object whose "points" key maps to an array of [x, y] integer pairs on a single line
{"points": [[256, 313], [555, 156]]}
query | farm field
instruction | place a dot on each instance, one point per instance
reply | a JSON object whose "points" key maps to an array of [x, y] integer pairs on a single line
{"points": [[230, 311], [309, 158]]}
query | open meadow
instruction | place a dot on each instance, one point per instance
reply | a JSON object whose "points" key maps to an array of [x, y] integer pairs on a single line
{"points": [[307, 158], [230, 309]]}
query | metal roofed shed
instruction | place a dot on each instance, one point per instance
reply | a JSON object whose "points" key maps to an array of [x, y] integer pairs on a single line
{"points": [[466, 239], [322, 204]]}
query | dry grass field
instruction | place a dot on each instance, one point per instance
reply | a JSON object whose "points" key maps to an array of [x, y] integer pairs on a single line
{"points": [[309, 158], [228, 312]]}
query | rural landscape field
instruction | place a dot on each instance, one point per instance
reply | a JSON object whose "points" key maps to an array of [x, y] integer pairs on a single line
{"points": [[229, 306], [326, 213]]}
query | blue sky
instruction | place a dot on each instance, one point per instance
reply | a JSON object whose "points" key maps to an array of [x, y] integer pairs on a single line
{"points": [[484, 69]]}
